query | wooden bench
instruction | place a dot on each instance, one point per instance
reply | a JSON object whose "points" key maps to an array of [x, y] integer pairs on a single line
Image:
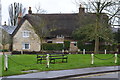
{"points": [[52, 58]]}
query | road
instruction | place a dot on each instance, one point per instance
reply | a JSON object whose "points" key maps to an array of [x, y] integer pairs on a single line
{"points": [[102, 76], [98, 76]]}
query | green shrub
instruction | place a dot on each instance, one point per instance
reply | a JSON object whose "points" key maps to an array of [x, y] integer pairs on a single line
{"points": [[66, 45], [108, 47], [88, 47], [5, 50], [52, 46]]}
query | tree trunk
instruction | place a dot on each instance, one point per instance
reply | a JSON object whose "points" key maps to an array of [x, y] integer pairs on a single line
{"points": [[11, 44], [41, 47], [96, 50], [3, 49]]}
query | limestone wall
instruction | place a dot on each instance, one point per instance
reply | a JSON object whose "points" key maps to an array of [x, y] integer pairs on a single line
{"points": [[33, 38]]}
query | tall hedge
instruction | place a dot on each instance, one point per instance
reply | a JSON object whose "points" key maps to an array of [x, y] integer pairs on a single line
{"points": [[52, 46], [66, 45], [88, 47], [108, 47]]}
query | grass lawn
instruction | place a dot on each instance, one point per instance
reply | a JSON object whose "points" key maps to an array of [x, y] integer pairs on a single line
{"points": [[18, 63], [0, 65]]}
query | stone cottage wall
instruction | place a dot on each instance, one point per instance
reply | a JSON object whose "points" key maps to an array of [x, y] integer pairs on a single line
{"points": [[33, 39]]}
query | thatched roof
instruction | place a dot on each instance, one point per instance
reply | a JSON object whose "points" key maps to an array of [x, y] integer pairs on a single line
{"points": [[62, 24]]}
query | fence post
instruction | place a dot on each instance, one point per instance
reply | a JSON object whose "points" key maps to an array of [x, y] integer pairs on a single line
{"points": [[21, 51], [5, 62], [105, 51], [47, 58], [92, 58], [63, 51], [78, 50], [115, 57], [83, 51]]}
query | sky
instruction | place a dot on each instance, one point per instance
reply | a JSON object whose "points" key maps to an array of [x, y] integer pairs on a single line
{"points": [[50, 6]]}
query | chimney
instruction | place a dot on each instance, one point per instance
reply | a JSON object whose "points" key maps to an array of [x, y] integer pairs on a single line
{"points": [[29, 11], [81, 9], [19, 17], [5, 23]]}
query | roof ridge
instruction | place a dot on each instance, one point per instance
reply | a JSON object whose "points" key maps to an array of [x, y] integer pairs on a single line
{"points": [[55, 14]]}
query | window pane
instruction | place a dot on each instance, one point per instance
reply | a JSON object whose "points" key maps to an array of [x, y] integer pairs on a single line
{"points": [[26, 34], [26, 46]]}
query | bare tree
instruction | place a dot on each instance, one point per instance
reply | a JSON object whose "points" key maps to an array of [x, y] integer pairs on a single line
{"points": [[15, 10], [99, 7], [5, 39], [40, 28], [39, 9]]}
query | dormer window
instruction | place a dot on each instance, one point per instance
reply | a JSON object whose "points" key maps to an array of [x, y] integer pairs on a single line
{"points": [[60, 36], [26, 33], [49, 41]]}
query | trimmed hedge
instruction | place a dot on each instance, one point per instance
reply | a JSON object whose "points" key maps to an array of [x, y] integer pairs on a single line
{"points": [[25, 52], [5, 50], [108, 47], [16, 52], [90, 47], [66, 45], [52, 46]]}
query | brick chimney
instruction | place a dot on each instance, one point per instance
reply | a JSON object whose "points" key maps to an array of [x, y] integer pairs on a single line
{"points": [[81, 9], [5, 23], [19, 17], [29, 11]]}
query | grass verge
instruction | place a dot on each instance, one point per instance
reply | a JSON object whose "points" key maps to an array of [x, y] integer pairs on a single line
{"points": [[19, 63]]}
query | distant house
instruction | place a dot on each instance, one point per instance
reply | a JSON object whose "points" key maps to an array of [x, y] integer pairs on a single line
{"points": [[0, 37], [5, 36], [61, 27]]}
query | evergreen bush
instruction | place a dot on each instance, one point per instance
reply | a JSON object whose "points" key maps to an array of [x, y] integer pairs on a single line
{"points": [[66, 45], [52, 46]]}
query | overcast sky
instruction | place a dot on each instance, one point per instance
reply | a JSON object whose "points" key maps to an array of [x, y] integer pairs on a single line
{"points": [[51, 6]]}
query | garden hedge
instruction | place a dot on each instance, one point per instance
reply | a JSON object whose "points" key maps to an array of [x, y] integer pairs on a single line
{"points": [[66, 45], [52, 46], [90, 47]]}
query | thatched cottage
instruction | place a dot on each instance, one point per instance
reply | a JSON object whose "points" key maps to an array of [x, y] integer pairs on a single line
{"points": [[60, 27]]}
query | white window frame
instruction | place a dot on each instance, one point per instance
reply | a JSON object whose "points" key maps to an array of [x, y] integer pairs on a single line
{"points": [[26, 33], [75, 43], [23, 46], [60, 36], [49, 40], [59, 42]]}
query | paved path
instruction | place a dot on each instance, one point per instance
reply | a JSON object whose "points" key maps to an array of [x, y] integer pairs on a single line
{"points": [[109, 75], [66, 73]]}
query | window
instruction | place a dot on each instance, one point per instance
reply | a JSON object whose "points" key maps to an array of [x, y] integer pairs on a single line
{"points": [[26, 33], [60, 36], [88, 43], [26, 46], [49, 41], [59, 42], [75, 43]]}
